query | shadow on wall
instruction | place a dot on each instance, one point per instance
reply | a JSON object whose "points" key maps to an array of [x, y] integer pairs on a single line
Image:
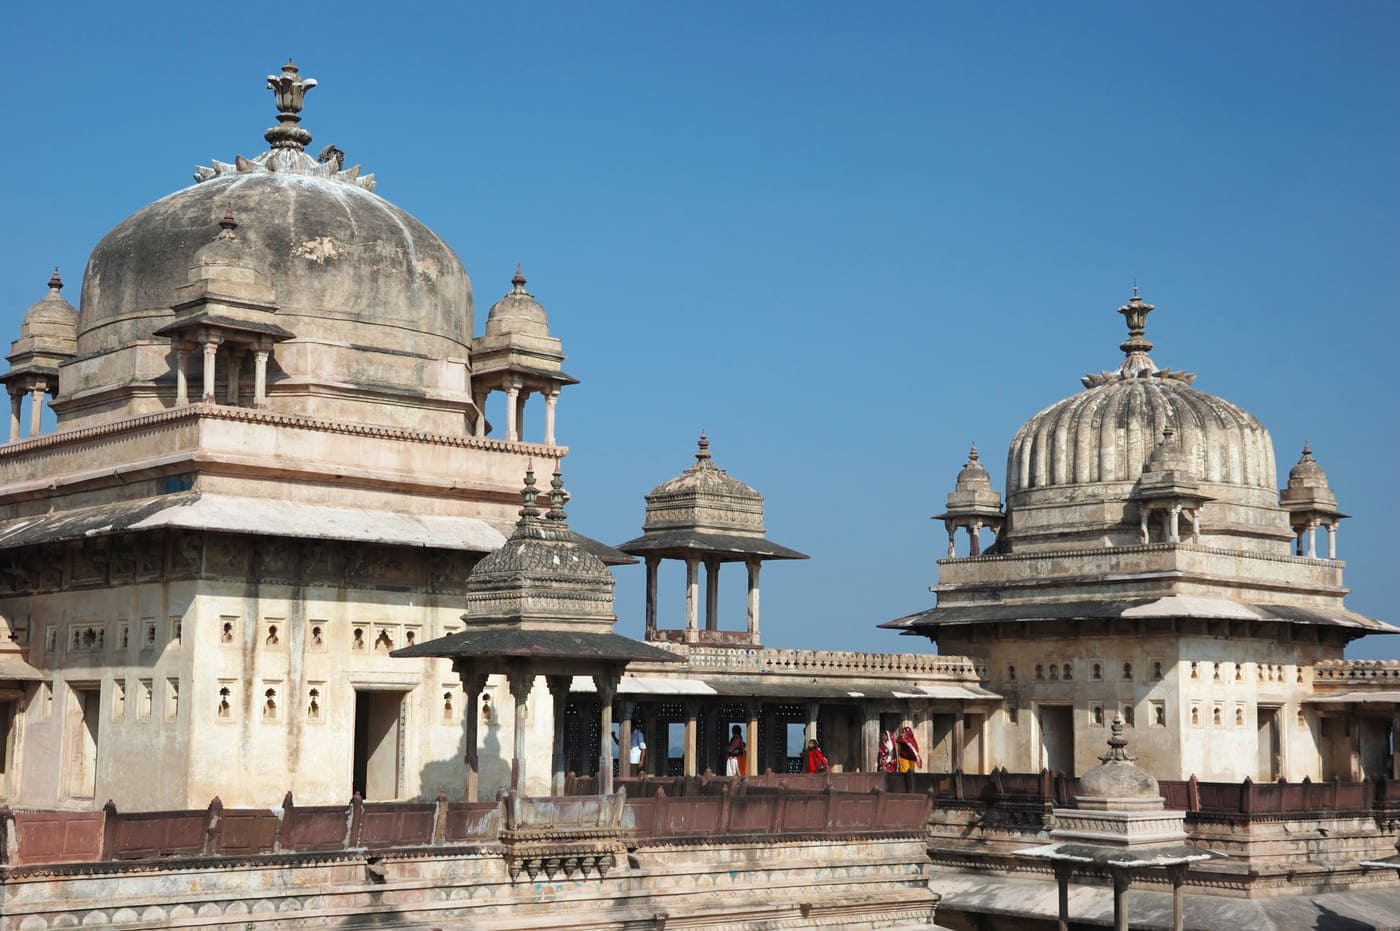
{"points": [[449, 776]]}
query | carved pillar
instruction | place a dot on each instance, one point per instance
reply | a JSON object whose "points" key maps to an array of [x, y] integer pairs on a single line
{"points": [[692, 599], [952, 541], [211, 352], [1196, 525], [606, 683], [473, 683], [36, 409], [974, 536], [755, 566], [559, 692], [520, 414], [260, 377], [1174, 524], [550, 401], [513, 412], [813, 711], [1177, 874], [653, 563], [711, 593], [1143, 513], [16, 407], [182, 378], [1332, 544], [522, 679], [1312, 538], [692, 715], [959, 741], [235, 369]]}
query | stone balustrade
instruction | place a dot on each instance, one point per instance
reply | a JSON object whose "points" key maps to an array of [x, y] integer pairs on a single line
{"points": [[1357, 672]]}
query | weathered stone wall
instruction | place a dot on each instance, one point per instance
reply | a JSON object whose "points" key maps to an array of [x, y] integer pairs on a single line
{"points": [[837, 883]]}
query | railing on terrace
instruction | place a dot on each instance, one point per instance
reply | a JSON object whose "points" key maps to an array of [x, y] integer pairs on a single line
{"points": [[775, 805], [1378, 672]]}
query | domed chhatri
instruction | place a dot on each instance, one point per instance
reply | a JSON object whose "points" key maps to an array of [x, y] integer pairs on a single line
{"points": [[47, 339], [972, 505], [1311, 504], [376, 301]]}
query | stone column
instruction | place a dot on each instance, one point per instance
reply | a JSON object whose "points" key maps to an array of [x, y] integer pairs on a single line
{"points": [[1196, 525], [16, 407], [1062, 875], [1143, 514], [959, 740], [952, 542], [1121, 881], [711, 593], [36, 409], [653, 563], [813, 711], [260, 377], [473, 683], [479, 428], [869, 739], [692, 715], [606, 683], [1174, 524], [1312, 538], [1177, 874], [751, 746], [182, 378], [211, 352], [522, 679], [550, 401], [692, 598], [520, 414], [1332, 543], [974, 536], [755, 565], [513, 412], [235, 369], [624, 740], [559, 692]]}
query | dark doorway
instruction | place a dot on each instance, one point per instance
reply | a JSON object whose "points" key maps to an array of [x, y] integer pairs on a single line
{"points": [[378, 744], [1270, 757], [1057, 738]]}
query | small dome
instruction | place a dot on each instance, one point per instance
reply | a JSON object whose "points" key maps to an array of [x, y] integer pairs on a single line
{"points": [[51, 315], [1307, 473], [705, 497], [517, 313], [1117, 776], [973, 477]]}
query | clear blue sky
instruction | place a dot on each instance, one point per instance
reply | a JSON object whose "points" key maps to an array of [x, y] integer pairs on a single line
{"points": [[846, 239]]}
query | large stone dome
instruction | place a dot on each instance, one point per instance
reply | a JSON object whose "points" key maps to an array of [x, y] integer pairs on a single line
{"points": [[373, 300], [346, 265], [1072, 469]]}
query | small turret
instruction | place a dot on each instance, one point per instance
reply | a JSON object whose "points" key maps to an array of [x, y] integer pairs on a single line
{"points": [[972, 504]]}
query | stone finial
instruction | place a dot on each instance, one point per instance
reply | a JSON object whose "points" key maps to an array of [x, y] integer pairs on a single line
{"points": [[702, 451], [558, 497], [1117, 743], [55, 282], [518, 280], [228, 224], [290, 90], [1135, 314], [529, 512]]}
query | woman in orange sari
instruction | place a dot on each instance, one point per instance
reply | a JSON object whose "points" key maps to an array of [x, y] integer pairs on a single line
{"points": [[907, 749]]}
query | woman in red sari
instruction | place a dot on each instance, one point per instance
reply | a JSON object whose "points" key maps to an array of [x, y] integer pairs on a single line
{"points": [[907, 749]]}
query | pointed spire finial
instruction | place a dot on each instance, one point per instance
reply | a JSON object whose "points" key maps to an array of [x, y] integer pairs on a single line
{"points": [[1307, 451], [529, 512], [55, 282], [290, 90], [972, 454], [703, 447], [1135, 286], [558, 497], [1117, 743]]}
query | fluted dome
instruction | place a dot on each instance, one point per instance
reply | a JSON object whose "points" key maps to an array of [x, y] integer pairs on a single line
{"points": [[517, 313], [373, 298], [1096, 445]]}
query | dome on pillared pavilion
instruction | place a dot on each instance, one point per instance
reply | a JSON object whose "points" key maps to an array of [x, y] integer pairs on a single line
{"points": [[347, 267]]}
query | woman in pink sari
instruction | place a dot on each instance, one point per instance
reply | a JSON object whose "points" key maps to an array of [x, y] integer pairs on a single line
{"points": [[886, 763]]}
